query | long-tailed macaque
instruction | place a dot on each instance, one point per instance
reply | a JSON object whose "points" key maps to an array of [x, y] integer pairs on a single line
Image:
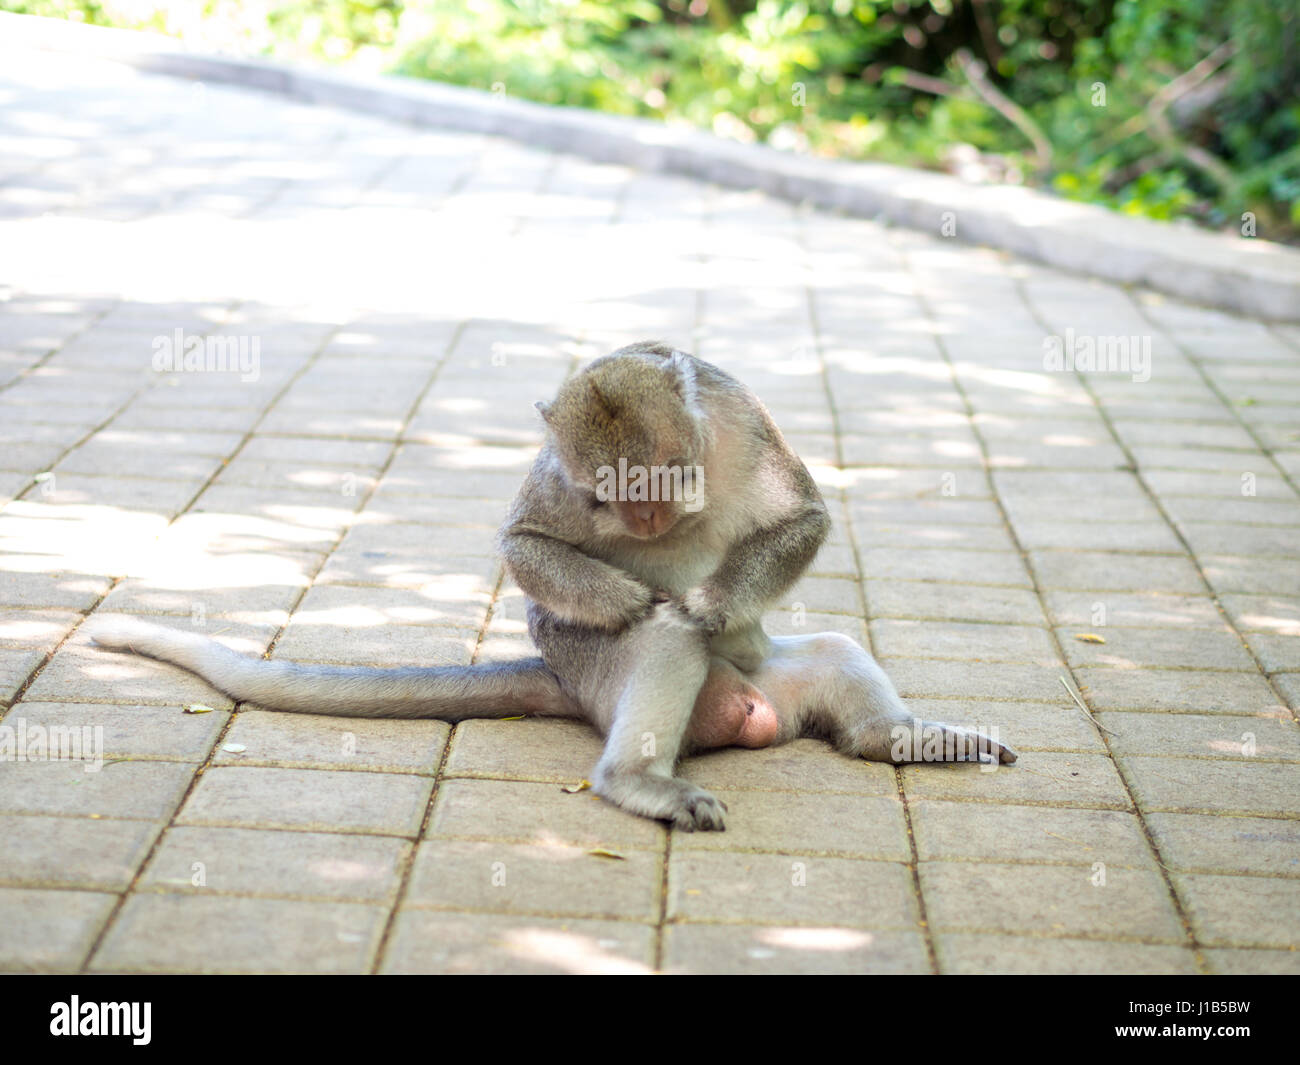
{"points": [[644, 599]]}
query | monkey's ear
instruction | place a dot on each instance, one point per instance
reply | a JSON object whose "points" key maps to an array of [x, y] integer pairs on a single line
{"points": [[544, 410], [601, 399]]}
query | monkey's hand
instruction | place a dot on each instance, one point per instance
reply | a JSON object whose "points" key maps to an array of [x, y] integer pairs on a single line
{"points": [[573, 586], [704, 609], [616, 603], [635, 600]]}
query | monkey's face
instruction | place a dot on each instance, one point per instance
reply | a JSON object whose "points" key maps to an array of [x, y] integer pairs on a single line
{"points": [[638, 486], [628, 448]]}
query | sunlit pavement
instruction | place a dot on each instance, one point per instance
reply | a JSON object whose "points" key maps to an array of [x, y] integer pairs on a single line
{"points": [[380, 307]]}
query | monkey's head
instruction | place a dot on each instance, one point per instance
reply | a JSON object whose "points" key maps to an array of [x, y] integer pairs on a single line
{"points": [[631, 440]]}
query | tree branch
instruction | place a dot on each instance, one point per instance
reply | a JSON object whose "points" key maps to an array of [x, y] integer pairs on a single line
{"points": [[974, 71], [1167, 94]]}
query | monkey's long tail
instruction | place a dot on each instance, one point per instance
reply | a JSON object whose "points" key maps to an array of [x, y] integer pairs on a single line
{"points": [[449, 693]]}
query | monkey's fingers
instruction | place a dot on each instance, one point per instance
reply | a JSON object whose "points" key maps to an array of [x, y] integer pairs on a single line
{"points": [[703, 812], [950, 743], [671, 799]]}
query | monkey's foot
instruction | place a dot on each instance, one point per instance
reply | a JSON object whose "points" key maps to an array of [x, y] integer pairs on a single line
{"points": [[665, 799], [932, 741]]}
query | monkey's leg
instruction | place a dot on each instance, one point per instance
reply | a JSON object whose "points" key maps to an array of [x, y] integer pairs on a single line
{"points": [[828, 685], [639, 688], [746, 647]]}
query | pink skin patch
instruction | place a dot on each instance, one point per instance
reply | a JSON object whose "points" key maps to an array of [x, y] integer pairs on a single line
{"points": [[758, 727], [731, 712]]}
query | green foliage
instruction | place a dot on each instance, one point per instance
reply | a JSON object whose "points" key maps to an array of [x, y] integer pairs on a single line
{"points": [[897, 80]]}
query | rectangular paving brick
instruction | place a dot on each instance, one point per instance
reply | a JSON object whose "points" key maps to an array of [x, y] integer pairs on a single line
{"points": [[1181, 690], [1116, 571], [92, 675], [1251, 576], [386, 804], [535, 879], [971, 567], [994, 832], [1049, 900], [537, 813], [952, 602], [35, 630], [267, 601], [1085, 612], [77, 591], [17, 665], [1201, 843], [1050, 778], [937, 514], [827, 595], [223, 934], [244, 861], [1277, 652], [365, 606], [1288, 686], [424, 941], [139, 790], [1147, 536], [737, 950], [794, 620], [879, 532], [1264, 613], [1026, 726], [804, 766], [270, 738], [1224, 538], [1130, 648], [49, 931], [930, 678], [979, 643], [722, 886], [965, 952], [1268, 736], [1202, 785], [91, 853], [1242, 911], [1238, 962], [164, 732], [391, 645], [561, 752], [850, 826]]}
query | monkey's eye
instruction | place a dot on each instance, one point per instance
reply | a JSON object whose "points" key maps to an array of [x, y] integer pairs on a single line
{"points": [[594, 501]]}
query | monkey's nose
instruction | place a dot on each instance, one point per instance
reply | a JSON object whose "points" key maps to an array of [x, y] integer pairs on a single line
{"points": [[646, 513]]}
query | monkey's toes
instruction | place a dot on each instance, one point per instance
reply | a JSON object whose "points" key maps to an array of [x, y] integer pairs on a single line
{"points": [[702, 812]]}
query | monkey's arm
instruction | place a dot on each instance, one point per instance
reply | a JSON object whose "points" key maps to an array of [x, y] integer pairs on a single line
{"points": [[571, 585], [758, 568]]}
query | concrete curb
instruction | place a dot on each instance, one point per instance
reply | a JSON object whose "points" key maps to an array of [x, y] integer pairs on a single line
{"points": [[1248, 276]]}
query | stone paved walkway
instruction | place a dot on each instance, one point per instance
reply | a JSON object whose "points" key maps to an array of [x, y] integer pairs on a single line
{"points": [[410, 294]]}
